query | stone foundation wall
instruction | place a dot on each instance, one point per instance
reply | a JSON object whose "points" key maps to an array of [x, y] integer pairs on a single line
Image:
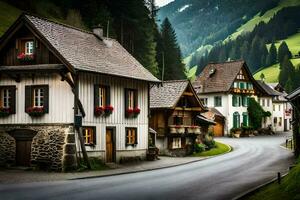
{"points": [[7, 149], [53, 147]]}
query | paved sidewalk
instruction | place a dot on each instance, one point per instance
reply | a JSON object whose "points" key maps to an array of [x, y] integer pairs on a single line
{"points": [[21, 176]]}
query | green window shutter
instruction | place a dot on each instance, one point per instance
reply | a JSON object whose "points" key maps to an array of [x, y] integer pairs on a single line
{"points": [[13, 99], [28, 97], [46, 98], [107, 103], [126, 103], [96, 96], [94, 135], [245, 119], [233, 100], [239, 101], [234, 121], [136, 99], [126, 137], [136, 136]]}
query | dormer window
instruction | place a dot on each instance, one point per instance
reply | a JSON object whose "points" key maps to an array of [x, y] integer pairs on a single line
{"points": [[29, 48]]}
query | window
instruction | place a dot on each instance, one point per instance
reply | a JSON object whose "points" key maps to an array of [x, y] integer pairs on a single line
{"points": [[274, 108], [8, 97], [236, 120], [176, 143], [280, 121], [131, 98], [29, 48], [245, 119], [242, 85], [240, 75], [204, 101], [37, 96], [218, 101], [263, 102], [101, 96], [279, 107], [131, 136], [236, 85], [249, 86], [268, 102], [275, 121], [245, 101], [178, 120], [89, 135], [236, 101]]}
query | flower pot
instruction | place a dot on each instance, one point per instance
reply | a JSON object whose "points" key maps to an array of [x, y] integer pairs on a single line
{"points": [[180, 130], [173, 130]]}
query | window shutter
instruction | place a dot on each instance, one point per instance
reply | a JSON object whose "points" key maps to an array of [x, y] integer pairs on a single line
{"points": [[136, 99], [233, 100], [96, 96], [94, 135], [13, 99], [46, 98], [126, 102], [107, 88], [28, 97], [126, 137], [136, 136], [182, 142]]}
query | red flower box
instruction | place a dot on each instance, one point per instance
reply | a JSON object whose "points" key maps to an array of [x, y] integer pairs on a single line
{"points": [[133, 112], [24, 57], [35, 111], [5, 112], [99, 110]]}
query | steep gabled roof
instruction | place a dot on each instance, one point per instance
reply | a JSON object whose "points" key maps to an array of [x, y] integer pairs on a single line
{"points": [[222, 78], [167, 95], [84, 51], [219, 77], [294, 94], [268, 89]]}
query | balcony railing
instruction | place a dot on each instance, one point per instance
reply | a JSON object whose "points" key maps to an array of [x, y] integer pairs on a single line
{"points": [[184, 129]]}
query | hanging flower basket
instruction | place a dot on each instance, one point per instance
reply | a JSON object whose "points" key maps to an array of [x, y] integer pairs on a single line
{"points": [[35, 111], [4, 112], [100, 110], [23, 58], [133, 112], [108, 110]]}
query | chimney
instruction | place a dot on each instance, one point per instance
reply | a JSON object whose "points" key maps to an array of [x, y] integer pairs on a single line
{"points": [[98, 31]]}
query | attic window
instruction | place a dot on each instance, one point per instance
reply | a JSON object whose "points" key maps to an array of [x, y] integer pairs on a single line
{"points": [[29, 47], [240, 75], [212, 71]]}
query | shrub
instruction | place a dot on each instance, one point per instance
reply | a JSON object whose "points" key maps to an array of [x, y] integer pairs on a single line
{"points": [[209, 142], [256, 113], [199, 148]]}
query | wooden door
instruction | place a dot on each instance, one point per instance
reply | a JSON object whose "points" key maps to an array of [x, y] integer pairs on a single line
{"points": [[23, 152], [109, 145], [218, 129]]}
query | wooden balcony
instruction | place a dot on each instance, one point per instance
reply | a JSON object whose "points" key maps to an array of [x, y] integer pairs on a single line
{"points": [[243, 91]]}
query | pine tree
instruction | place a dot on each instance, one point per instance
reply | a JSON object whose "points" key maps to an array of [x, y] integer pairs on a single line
{"points": [[174, 68], [289, 85], [283, 50], [272, 56], [286, 70]]}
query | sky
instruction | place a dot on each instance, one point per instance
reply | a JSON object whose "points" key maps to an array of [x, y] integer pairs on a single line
{"points": [[161, 3]]}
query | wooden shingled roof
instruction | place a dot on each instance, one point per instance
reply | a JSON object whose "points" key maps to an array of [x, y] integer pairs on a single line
{"points": [[81, 50]]}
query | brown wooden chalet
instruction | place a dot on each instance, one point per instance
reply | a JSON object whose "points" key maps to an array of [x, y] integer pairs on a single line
{"points": [[176, 117]]}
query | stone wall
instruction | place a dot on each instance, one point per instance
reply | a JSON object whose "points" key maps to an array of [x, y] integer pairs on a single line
{"points": [[7, 149], [52, 148]]}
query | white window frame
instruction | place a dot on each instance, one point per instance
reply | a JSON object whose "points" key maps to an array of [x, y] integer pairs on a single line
{"points": [[102, 96], [130, 99], [176, 143], [29, 47], [5, 98], [38, 97]]}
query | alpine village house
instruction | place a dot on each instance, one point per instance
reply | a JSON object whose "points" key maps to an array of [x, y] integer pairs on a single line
{"points": [[226, 88], [52, 73], [176, 117]]}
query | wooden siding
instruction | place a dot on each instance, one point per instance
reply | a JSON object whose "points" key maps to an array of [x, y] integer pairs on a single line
{"points": [[61, 100], [8, 55], [117, 118]]}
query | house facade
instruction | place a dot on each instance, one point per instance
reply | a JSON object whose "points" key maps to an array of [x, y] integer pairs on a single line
{"points": [[176, 117], [227, 88], [50, 73]]}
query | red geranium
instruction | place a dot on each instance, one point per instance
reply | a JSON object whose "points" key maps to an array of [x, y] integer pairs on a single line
{"points": [[35, 111], [109, 108], [136, 110], [99, 110], [130, 111], [24, 57]]}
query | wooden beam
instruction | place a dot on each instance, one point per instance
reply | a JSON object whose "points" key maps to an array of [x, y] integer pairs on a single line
{"points": [[188, 94]]}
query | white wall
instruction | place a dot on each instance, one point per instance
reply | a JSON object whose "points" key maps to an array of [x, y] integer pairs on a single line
{"points": [[269, 120], [117, 118], [61, 100]]}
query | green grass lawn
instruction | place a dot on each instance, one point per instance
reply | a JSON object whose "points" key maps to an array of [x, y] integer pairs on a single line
{"points": [[220, 149], [271, 73], [288, 189], [8, 14]]}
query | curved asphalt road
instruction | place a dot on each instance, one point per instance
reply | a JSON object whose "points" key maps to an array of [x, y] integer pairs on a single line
{"points": [[253, 162]]}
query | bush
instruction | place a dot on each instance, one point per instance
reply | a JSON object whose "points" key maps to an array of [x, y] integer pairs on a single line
{"points": [[199, 148], [209, 142]]}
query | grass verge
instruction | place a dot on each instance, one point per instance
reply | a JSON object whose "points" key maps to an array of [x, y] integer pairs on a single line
{"points": [[288, 189], [219, 149], [96, 165]]}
